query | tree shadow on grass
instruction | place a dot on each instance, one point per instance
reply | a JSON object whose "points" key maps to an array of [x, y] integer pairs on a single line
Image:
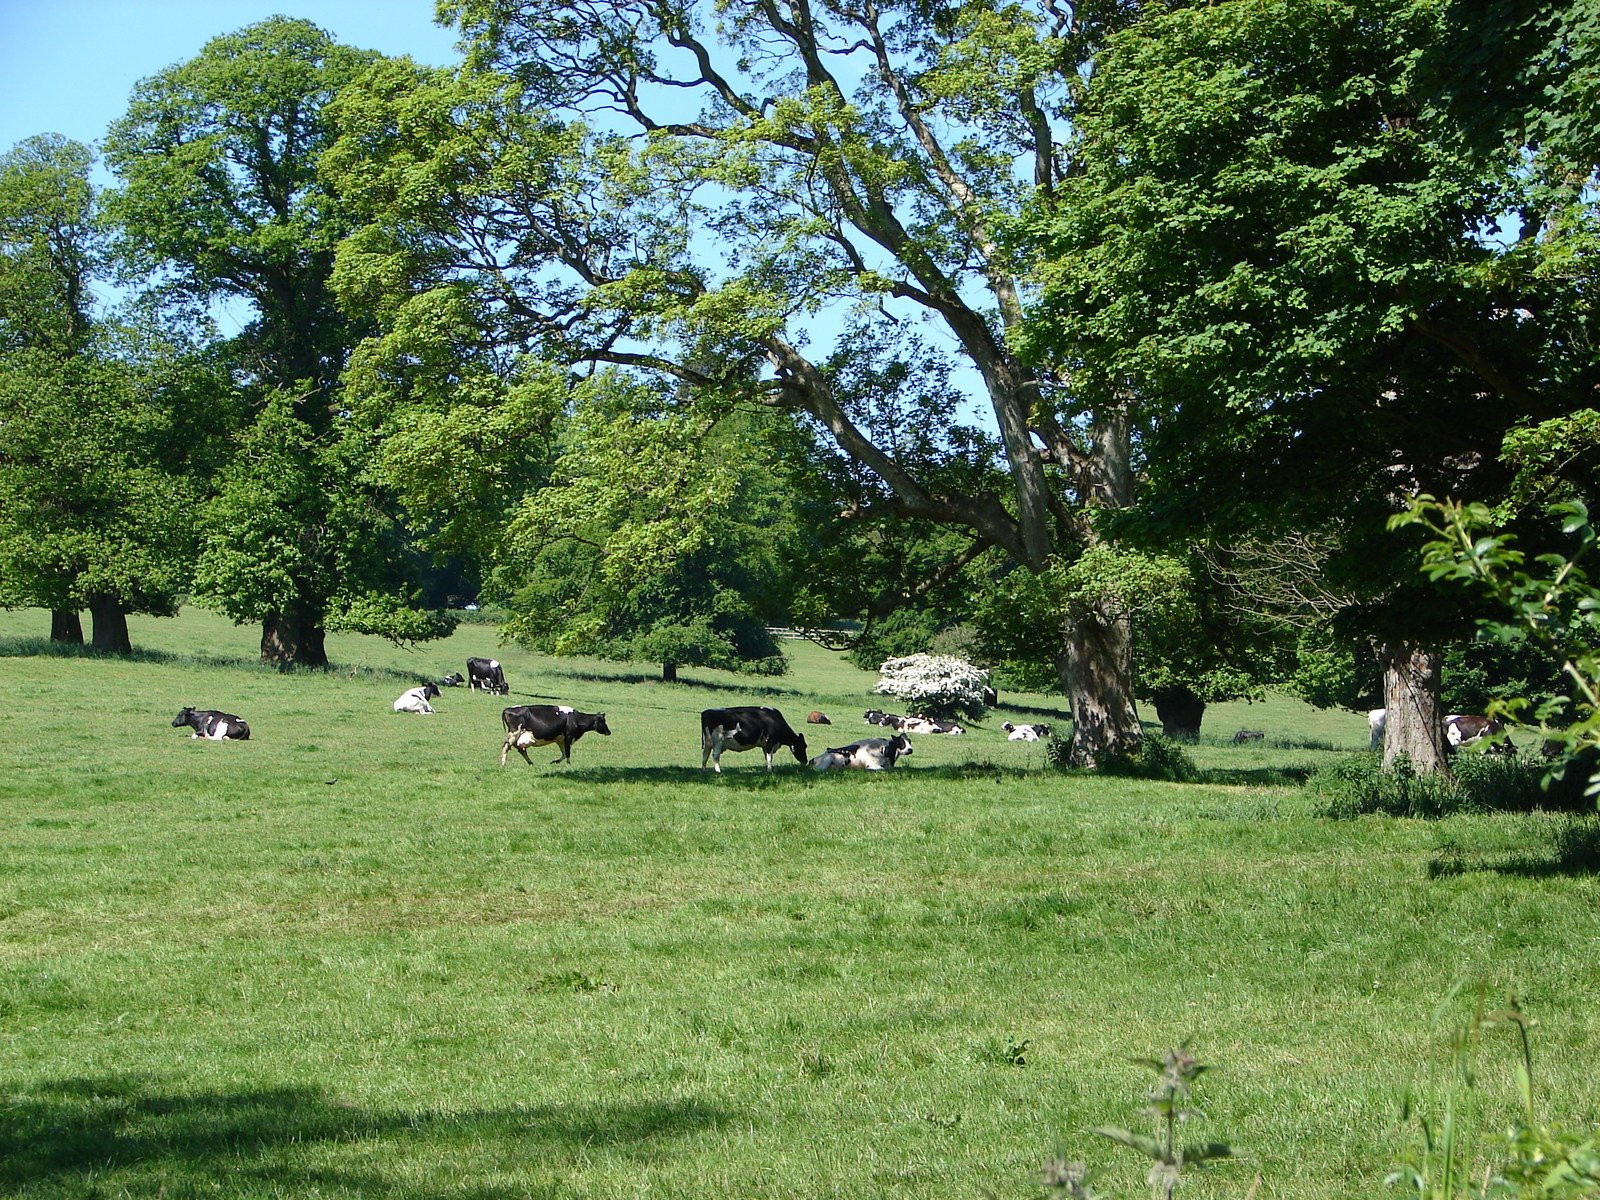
{"points": [[146, 1136], [37, 647], [708, 685], [1574, 850], [1255, 776]]}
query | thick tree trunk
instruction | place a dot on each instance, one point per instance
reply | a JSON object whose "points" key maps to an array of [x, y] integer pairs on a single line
{"points": [[288, 642], [1096, 667], [110, 626], [1180, 712], [669, 672], [1411, 696], [66, 626]]}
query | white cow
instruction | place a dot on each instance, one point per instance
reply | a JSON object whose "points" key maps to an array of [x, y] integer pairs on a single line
{"points": [[416, 700], [1377, 720]]}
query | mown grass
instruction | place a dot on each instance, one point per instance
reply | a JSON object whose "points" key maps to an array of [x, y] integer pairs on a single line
{"points": [[354, 957]]}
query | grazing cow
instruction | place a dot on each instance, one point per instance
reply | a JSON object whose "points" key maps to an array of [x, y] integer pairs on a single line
{"points": [[1377, 721], [454, 680], [485, 674], [1025, 733], [926, 725], [746, 728], [213, 725], [416, 700], [869, 754], [1466, 730], [548, 725], [1248, 735], [817, 718]]}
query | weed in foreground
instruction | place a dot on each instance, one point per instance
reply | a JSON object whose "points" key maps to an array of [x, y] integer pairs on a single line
{"points": [[1541, 1162], [1168, 1108]]}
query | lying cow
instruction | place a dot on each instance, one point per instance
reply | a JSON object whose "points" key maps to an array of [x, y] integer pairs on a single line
{"points": [[416, 700], [869, 754], [817, 718], [452, 680], [1248, 735], [746, 728], [485, 674], [875, 716], [1467, 730], [547, 725], [927, 725], [1024, 733], [211, 724]]}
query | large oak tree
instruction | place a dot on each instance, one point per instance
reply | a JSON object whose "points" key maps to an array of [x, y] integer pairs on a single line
{"points": [[676, 187]]}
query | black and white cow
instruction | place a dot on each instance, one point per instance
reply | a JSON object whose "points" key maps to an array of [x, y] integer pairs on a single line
{"points": [[926, 725], [1025, 733], [211, 724], [548, 725], [868, 754], [746, 728], [452, 680], [485, 674], [876, 716], [1466, 730], [1249, 735], [416, 699]]}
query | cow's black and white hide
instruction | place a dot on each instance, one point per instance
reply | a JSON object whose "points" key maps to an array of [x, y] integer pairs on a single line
{"points": [[1462, 729], [547, 725], [875, 716], [416, 699], [485, 674], [1024, 733], [213, 725], [868, 754], [927, 725], [746, 727], [1248, 735], [454, 680]]}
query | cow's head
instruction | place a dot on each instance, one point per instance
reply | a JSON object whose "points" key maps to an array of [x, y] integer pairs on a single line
{"points": [[429, 691], [799, 747], [900, 745], [183, 718], [600, 725]]}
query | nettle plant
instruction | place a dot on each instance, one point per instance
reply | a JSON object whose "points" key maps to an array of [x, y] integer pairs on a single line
{"points": [[935, 685]]}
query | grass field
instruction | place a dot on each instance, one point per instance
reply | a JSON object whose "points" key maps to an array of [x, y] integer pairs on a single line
{"points": [[355, 957]]}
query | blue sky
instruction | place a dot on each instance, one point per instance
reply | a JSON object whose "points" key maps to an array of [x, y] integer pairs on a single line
{"points": [[69, 66]]}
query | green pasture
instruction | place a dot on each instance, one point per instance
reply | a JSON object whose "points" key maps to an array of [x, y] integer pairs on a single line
{"points": [[355, 957]]}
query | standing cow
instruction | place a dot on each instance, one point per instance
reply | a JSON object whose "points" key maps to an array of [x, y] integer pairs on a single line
{"points": [[212, 725], [485, 674], [547, 725], [746, 728]]}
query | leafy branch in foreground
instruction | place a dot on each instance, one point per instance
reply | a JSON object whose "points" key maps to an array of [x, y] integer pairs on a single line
{"points": [[1550, 601]]}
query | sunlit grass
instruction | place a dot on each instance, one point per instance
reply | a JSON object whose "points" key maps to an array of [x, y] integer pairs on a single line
{"points": [[355, 957]]}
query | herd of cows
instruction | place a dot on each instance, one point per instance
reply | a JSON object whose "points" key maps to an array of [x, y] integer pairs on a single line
{"points": [[737, 728], [749, 727]]}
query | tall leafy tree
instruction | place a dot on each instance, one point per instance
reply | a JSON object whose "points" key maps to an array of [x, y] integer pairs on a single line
{"points": [[678, 188], [1337, 268], [105, 424], [217, 161]]}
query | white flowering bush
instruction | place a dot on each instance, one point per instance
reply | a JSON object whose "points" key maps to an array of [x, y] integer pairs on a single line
{"points": [[935, 685]]}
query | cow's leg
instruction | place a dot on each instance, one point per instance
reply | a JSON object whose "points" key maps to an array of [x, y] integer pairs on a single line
{"points": [[506, 749], [566, 752], [768, 753], [705, 749]]}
